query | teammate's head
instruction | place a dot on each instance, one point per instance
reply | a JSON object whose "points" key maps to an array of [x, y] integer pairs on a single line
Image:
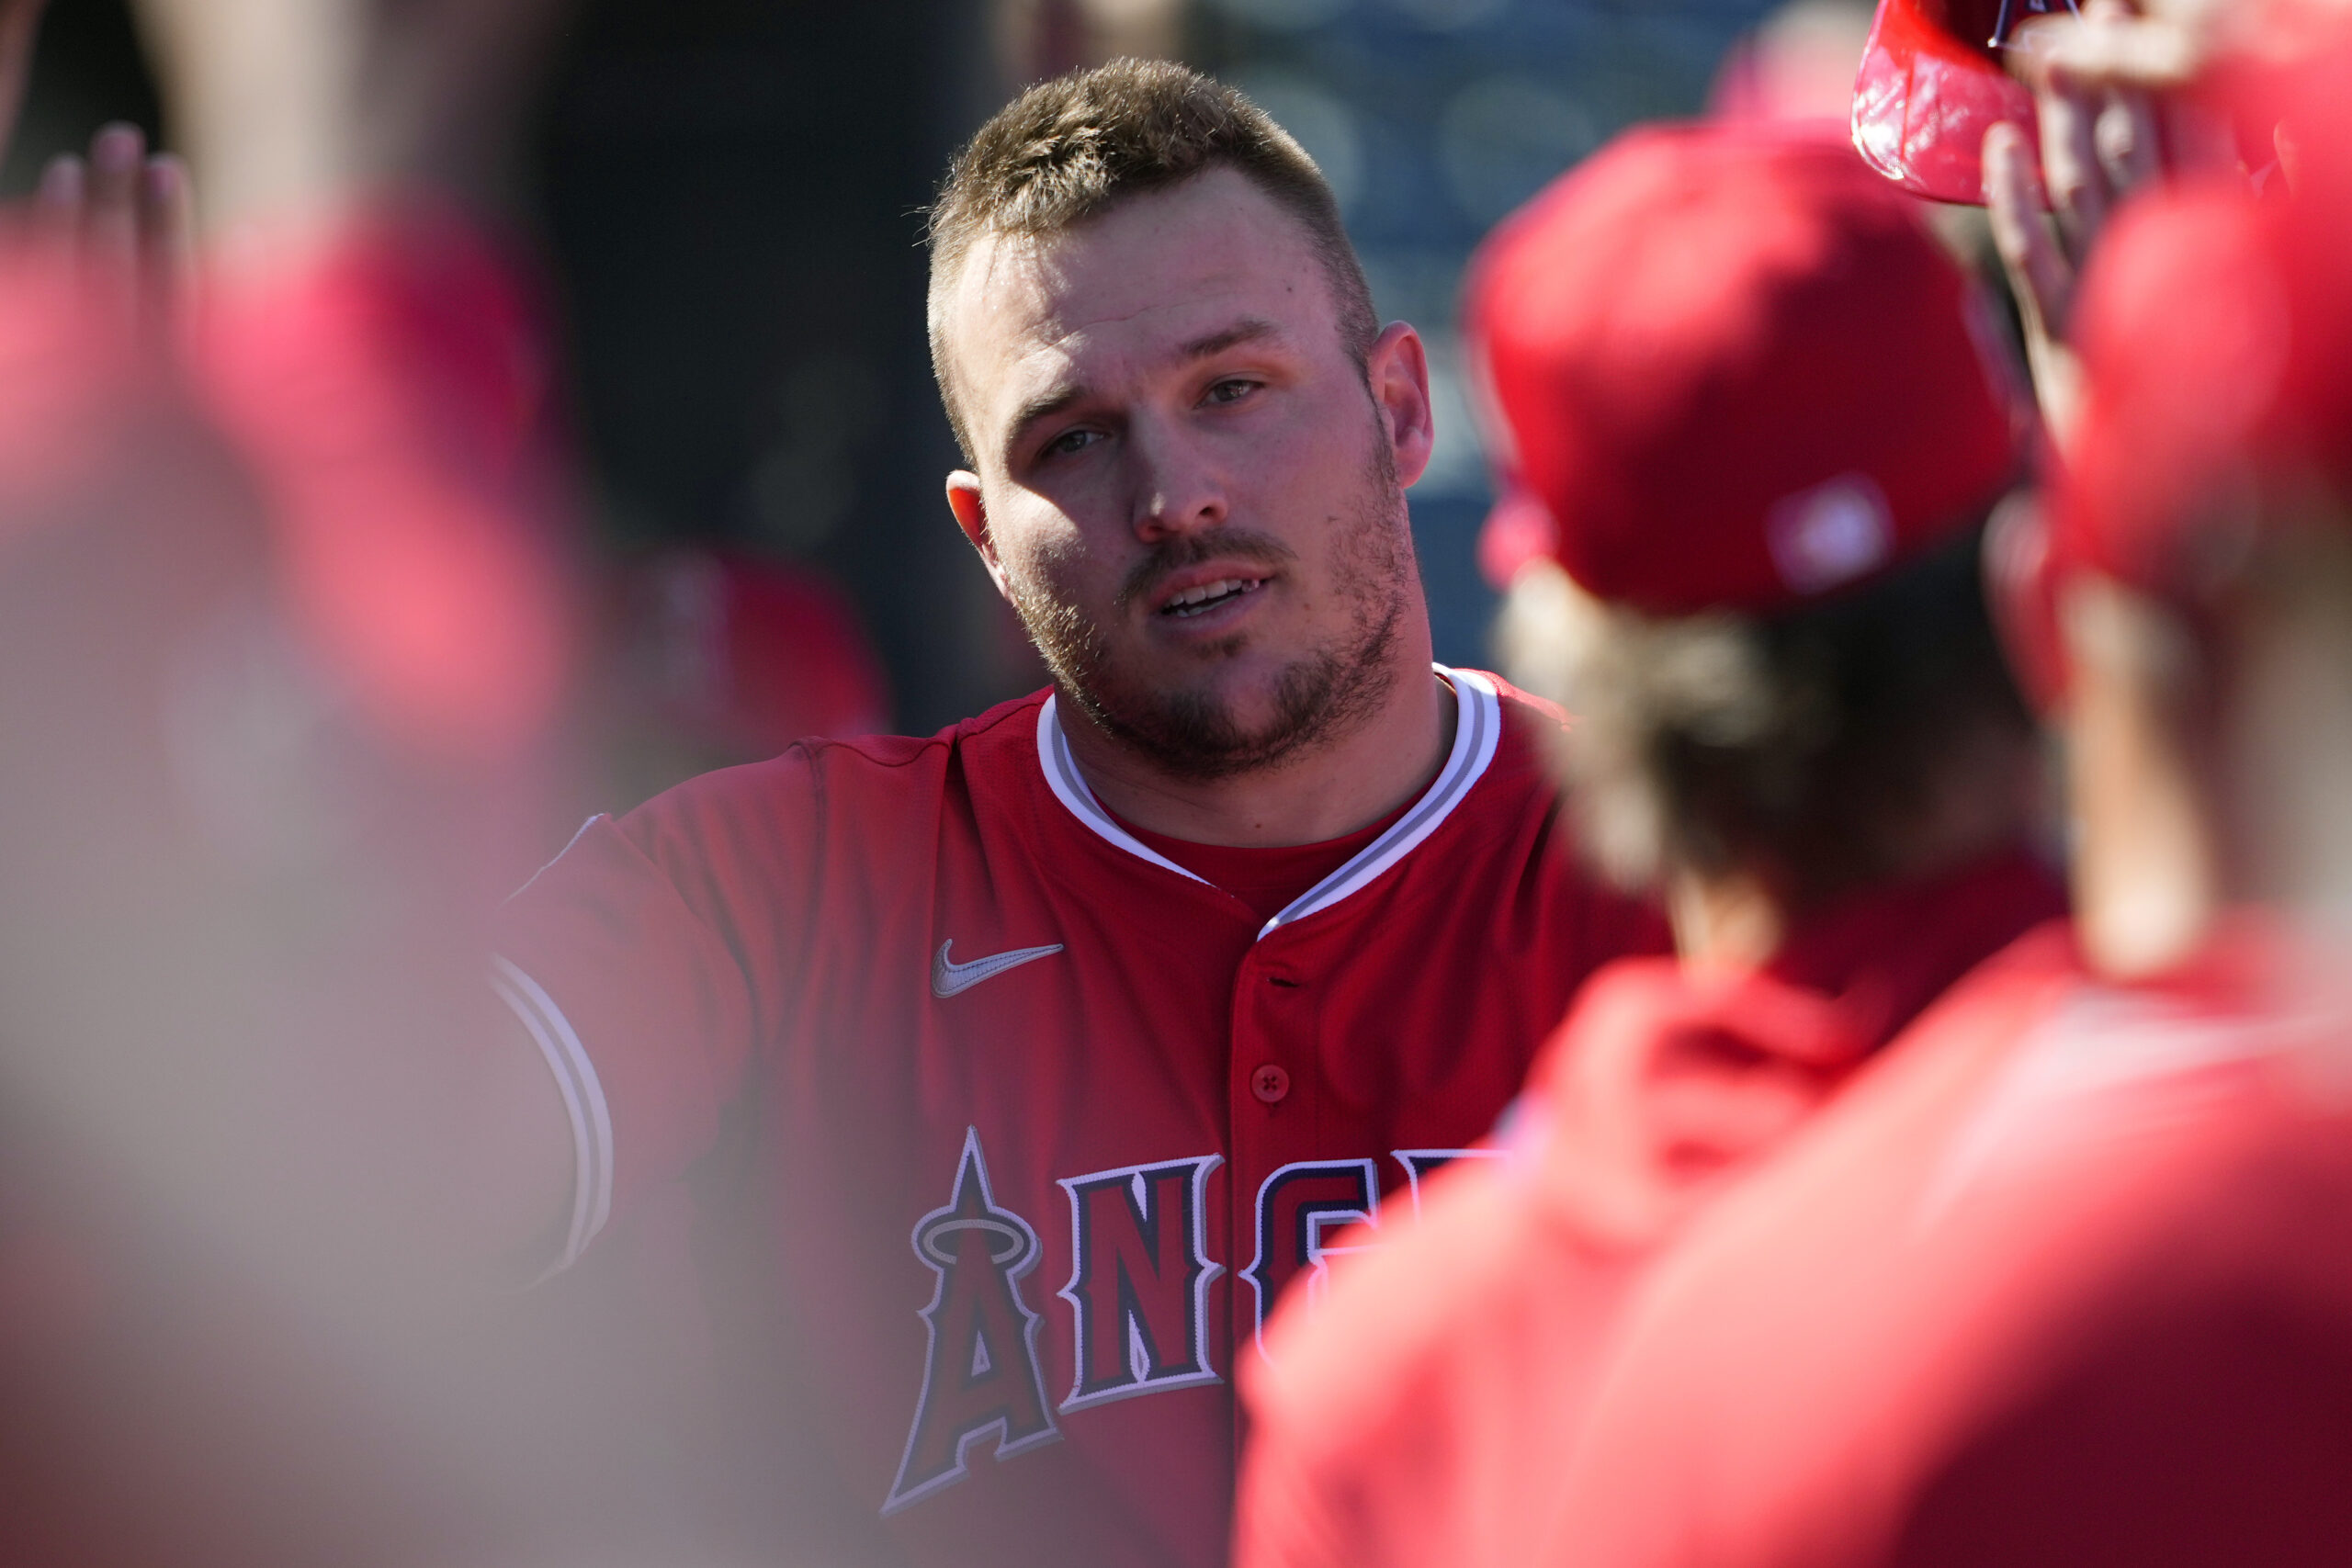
{"points": [[1746, 389], [1188, 443], [2200, 574]]}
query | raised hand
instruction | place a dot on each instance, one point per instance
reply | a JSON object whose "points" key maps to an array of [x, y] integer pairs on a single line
{"points": [[2110, 123], [125, 223]]}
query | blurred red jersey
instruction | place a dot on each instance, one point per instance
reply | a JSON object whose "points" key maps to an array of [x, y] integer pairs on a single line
{"points": [[281, 629], [1008, 1129], [1419, 1411], [2067, 1281]]}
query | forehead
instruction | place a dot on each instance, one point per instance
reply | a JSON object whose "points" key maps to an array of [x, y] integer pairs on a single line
{"points": [[1117, 297]]}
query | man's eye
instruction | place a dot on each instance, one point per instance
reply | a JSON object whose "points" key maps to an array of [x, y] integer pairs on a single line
{"points": [[1070, 441], [1231, 391]]}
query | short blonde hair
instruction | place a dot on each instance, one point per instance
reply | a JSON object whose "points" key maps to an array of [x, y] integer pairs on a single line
{"points": [[1068, 149]]}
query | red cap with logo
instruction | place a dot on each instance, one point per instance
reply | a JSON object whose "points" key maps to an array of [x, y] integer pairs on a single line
{"points": [[1736, 371]]}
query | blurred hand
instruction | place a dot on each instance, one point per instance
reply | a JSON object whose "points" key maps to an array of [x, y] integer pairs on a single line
{"points": [[2101, 136], [2107, 92], [125, 224], [2167, 44]]}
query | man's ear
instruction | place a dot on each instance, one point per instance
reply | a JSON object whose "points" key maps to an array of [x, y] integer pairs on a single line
{"points": [[1397, 370], [972, 516]]}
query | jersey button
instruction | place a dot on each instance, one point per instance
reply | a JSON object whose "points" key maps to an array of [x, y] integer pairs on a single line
{"points": [[1269, 1083]]}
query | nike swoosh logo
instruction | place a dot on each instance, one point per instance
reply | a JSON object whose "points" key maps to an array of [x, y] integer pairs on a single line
{"points": [[948, 979]]}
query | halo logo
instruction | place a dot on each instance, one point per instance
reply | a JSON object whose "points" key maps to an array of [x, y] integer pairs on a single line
{"points": [[982, 1375]]}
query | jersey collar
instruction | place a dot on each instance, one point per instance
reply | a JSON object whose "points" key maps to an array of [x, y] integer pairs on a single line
{"points": [[1477, 729]]}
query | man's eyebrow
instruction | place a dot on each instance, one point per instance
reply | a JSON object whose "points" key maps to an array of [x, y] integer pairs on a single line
{"points": [[1045, 405], [1249, 329]]}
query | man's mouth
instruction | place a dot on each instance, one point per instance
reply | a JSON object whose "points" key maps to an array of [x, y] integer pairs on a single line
{"points": [[1207, 596]]}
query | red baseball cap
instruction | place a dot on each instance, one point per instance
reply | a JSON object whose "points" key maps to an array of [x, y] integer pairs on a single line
{"points": [[1736, 371], [1932, 83], [2215, 331]]}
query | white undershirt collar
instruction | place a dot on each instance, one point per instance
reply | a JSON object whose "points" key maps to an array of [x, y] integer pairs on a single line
{"points": [[1477, 730]]}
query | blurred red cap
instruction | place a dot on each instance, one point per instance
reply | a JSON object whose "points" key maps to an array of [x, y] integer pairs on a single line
{"points": [[1932, 83], [2216, 337], [1736, 371]]}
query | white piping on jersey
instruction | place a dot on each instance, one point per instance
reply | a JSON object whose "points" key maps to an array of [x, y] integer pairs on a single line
{"points": [[578, 833], [1477, 730], [584, 1099]]}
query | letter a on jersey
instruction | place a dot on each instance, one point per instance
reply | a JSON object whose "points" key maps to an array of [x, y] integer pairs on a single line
{"points": [[981, 1374], [1139, 1279]]}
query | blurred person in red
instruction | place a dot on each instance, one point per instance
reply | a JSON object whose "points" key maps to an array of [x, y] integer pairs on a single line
{"points": [[1758, 402], [283, 632], [2065, 1279], [1017, 1071], [717, 660]]}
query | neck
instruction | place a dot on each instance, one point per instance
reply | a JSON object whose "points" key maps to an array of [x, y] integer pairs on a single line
{"points": [[2286, 742], [1349, 781], [2146, 863], [1733, 922]]}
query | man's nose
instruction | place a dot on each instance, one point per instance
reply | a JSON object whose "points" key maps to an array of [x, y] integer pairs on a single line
{"points": [[1179, 487]]}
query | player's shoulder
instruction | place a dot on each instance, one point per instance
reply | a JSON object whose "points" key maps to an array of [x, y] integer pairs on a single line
{"points": [[858, 772]]}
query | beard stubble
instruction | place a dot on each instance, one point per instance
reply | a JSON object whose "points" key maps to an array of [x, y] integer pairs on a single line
{"points": [[1326, 692]]}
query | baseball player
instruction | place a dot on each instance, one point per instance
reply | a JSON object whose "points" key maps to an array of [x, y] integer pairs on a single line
{"points": [[2068, 1281], [1018, 1071], [1748, 388]]}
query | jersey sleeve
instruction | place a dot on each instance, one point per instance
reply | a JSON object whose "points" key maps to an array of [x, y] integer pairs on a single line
{"points": [[641, 1008]]}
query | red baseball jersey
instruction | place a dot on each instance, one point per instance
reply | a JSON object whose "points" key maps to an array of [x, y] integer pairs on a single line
{"points": [[1418, 1410], [2068, 1280], [1006, 1130]]}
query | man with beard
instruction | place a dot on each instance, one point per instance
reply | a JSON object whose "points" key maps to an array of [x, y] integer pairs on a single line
{"points": [[1016, 1071]]}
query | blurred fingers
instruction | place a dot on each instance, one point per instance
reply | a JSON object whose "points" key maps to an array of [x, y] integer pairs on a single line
{"points": [[2149, 53], [2040, 274], [167, 235], [2129, 146], [111, 214], [2070, 164], [55, 221]]}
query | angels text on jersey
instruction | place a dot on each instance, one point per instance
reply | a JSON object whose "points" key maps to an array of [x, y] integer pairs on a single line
{"points": [[1138, 1295]]}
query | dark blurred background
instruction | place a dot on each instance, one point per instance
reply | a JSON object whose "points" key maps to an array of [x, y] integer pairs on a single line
{"points": [[725, 196]]}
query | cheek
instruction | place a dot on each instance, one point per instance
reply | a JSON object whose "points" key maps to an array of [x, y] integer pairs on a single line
{"points": [[1046, 557], [1326, 460]]}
